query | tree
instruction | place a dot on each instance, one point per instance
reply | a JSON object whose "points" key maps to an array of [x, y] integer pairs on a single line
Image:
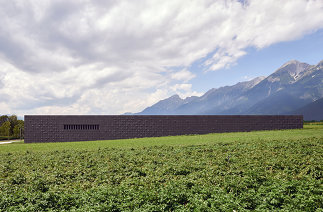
{"points": [[18, 128], [15, 126], [13, 122], [3, 119], [5, 129]]}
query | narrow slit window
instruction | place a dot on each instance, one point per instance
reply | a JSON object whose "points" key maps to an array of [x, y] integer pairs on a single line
{"points": [[81, 127]]}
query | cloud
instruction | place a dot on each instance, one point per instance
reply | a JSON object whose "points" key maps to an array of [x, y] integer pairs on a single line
{"points": [[111, 57], [1, 83], [182, 75]]}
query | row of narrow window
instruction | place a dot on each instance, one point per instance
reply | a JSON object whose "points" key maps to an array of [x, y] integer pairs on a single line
{"points": [[81, 127]]}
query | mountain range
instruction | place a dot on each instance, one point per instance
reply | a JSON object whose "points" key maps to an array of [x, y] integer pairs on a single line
{"points": [[286, 91], [312, 111]]}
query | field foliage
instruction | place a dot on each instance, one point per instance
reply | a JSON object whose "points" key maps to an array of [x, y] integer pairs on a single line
{"points": [[268, 170]]}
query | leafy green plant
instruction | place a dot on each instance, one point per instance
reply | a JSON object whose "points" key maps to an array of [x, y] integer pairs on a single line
{"points": [[273, 170]]}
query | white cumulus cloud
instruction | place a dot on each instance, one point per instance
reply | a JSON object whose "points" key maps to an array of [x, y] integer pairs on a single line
{"points": [[111, 57]]}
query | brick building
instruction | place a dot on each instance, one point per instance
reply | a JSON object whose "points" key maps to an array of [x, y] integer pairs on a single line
{"points": [[45, 128]]}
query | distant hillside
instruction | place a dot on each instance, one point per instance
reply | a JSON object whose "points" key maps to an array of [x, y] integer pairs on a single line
{"points": [[290, 87], [215, 101], [167, 106], [312, 111]]}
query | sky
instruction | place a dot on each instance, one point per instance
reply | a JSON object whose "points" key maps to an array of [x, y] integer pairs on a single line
{"points": [[116, 56]]}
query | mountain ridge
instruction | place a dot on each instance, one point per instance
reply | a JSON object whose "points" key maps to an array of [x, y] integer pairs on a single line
{"points": [[291, 86]]}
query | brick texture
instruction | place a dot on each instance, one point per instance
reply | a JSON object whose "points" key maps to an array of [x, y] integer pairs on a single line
{"points": [[39, 128]]}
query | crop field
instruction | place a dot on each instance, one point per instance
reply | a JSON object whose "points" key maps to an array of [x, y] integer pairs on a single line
{"points": [[264, 170]]}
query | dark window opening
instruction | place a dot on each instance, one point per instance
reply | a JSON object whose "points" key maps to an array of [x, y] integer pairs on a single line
{"points": [[81, 127]]}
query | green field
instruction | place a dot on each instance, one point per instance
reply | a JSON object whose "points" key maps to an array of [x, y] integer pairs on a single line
{"points": [[264, 170]]}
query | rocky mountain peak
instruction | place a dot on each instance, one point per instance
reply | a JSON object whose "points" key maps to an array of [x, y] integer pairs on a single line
{"points": [[175, 97], [293, 67], [291, 62]]}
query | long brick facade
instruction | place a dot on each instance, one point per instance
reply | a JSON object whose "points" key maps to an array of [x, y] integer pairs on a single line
{"points": [[43, 128]]}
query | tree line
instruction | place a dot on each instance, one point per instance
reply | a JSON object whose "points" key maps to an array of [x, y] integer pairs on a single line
{"points": [[11, 127]]}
